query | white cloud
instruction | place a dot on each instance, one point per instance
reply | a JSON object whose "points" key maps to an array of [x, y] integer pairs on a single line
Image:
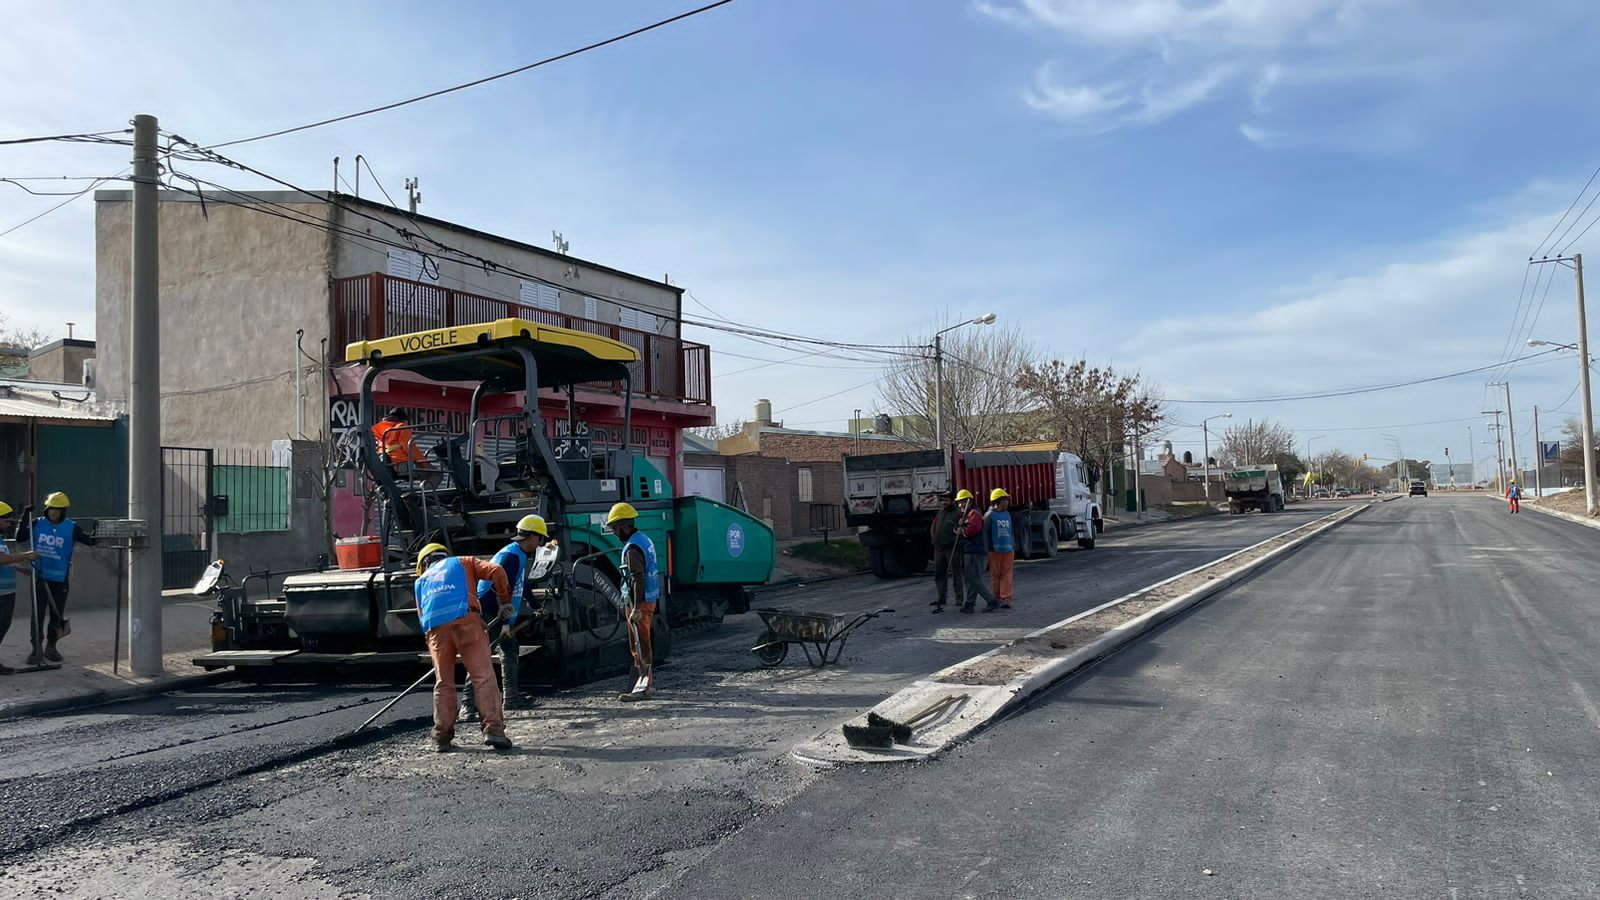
{"points": [[1160, 57]]}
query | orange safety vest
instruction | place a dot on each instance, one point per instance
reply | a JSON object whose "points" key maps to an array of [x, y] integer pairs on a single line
{"points": [[393, 438]]}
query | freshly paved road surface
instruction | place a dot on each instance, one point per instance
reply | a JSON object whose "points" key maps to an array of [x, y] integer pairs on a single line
{"points": [[1406, 707], [600, 799]]}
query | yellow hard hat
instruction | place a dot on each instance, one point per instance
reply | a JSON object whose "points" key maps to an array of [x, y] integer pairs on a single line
{"points": [[533, 525], [425, 552], [997, 493], [5, 509], [621, 511], [963, 494], [57, 500]]}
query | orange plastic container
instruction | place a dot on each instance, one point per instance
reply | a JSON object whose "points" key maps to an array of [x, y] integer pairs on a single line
{"points": [[358, 552]]}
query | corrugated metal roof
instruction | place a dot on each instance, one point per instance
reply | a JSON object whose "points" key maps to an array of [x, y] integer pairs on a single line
{"points": [[17, 404]]}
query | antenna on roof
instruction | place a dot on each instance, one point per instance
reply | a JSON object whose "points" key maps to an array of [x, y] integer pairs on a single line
{"points": [[69, 330], [413, 196], [560, 243]]}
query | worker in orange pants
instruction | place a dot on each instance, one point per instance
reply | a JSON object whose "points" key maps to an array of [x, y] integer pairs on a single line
{"points": [[1000, 538]]}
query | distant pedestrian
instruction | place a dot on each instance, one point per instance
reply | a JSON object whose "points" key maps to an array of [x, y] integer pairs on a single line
{"points": [[54, 538], [447, 607], [9, 563], [1001, 542], [946, 554], [972, 554], [1514, 496]]}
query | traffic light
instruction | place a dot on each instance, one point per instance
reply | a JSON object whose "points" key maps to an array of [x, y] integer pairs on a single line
{"points": [[1363, 457], [1447, 451]]}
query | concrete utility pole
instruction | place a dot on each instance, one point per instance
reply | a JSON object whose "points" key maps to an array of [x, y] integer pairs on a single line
{"points": [[1583, 380], [1589, 488], [1538, 457], [1138, 457], [1499, 451], [1511, 432], [1205, 448], [144, 406], [938, 374]]}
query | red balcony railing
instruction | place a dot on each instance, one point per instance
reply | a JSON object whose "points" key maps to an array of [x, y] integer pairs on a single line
{"points": [[367, 307]]}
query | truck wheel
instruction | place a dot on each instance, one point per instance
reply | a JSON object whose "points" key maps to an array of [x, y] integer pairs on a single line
{"points": [[1052, 540], [877, 561]]}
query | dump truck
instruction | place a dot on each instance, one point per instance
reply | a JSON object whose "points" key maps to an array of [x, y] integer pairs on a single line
{"points": [[1260, 487], [477, 479], [892, 498]]}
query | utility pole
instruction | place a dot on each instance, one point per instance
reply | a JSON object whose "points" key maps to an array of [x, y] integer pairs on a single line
{"points": [[1583, 379], [1511, 433], [938, 374], [1138, 457], [144, 406], [1538, 457], [1499, 452], [1205, 448], [1589, 488]]}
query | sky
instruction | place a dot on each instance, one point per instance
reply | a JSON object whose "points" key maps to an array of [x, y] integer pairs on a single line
{"points": [[1237, 199]]}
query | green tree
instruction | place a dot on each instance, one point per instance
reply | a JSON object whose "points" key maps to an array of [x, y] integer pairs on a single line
{"points": [[1089, 409]]}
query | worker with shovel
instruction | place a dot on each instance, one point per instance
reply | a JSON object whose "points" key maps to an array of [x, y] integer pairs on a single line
{"points": [[9, 563], [532, 532], [641, 590], [450, 616], [54, 538]]}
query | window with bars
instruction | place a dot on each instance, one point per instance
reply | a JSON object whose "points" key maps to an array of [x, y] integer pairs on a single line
{"points": [[803, 491]]}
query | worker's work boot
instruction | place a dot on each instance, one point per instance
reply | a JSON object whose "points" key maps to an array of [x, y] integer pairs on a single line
{"points": [[51, 653], [36, 658], [497, 739], [443, 740]]}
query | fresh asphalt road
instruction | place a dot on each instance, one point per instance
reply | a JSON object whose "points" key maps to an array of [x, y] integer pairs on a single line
{"points": [[1408, 706], [600, 799]]}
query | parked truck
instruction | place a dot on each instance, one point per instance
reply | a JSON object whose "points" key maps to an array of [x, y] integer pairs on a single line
{"points": [[1260, 488], [893, 497]]}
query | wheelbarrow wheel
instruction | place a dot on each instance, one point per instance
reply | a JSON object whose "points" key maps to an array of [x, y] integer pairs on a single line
{"points": [[773, 654]]}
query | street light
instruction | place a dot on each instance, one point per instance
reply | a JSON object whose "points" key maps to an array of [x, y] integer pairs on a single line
{"points": [[1316, 437], [1205, 449], [938, 373]]}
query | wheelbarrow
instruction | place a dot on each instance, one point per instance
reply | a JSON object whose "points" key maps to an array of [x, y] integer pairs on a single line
{"points": [[824, 632]]}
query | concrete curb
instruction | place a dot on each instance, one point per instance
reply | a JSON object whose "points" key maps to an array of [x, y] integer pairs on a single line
{"points": [[974, 706], [109, 695], [1570, 517]]}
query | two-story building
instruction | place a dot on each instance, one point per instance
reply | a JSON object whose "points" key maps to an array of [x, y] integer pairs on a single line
{"points": [[261, 293]]}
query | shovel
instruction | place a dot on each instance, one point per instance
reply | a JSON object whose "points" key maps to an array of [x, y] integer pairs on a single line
{"points": [[414, 685]]}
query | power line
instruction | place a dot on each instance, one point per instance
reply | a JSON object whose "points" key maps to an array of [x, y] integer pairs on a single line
{"points": [[1564, 215], [827, 396], [476, 82], [1348, 392], [70, 198], [98, 137]]}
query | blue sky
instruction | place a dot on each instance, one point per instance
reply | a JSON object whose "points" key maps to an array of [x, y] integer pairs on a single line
{"points": [[1236, 197]]}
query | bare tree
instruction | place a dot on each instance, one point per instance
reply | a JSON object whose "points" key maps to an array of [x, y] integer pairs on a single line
{"points": [[718, 432], [1089, 409], [983, 403], [15, 342], [1255, 443]]}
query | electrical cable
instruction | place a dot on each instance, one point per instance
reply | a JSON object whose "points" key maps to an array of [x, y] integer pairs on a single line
{"points": [[98, 137], [827, 396], [1564, 215], [1574, 223], [63, 203], [1370, 389], [476, 82]]}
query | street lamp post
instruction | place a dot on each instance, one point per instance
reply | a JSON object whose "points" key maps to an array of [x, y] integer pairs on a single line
{"points": [[1309, 463], [1582, 346], [938, 373], [1205, 449]]}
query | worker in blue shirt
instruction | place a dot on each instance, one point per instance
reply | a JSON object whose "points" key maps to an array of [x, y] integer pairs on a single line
{"points": [[531, 534], [9, 563], [54, 538], [641, 591]]}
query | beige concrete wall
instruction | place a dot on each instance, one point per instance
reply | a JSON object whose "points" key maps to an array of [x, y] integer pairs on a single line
{"points": [[235, 285], [61, 362], [357, 258]]}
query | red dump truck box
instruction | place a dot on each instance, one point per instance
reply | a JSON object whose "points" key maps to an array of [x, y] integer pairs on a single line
{"points": [[1029, 476]]}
